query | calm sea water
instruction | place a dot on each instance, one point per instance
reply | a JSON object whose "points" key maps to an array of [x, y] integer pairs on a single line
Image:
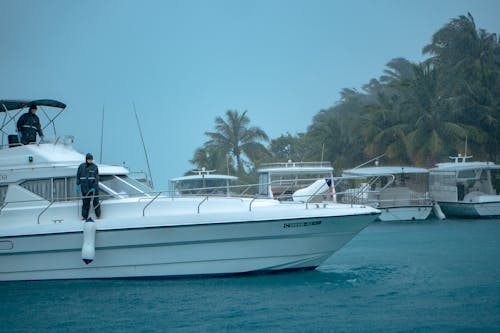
{"points": [[437, 276]]}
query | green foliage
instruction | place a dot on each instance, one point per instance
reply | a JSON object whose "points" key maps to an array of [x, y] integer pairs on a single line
{"points": [[233, 146]]}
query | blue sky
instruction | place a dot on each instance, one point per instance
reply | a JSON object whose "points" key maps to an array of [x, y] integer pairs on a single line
{"points": [[183, 63]]}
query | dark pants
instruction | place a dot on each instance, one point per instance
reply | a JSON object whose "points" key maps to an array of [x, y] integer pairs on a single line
{"points": [[28, 137], [86, 205]]}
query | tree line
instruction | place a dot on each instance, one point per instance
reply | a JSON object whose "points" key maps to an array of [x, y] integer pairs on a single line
{"points": [[414, 113]]}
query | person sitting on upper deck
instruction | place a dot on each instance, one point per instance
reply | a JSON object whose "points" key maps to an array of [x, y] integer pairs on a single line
{"points": [[28, 126]]}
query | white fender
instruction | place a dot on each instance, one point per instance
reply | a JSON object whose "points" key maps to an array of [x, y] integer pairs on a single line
{"points": [[304, 194], [88, 246], [438, 212]]}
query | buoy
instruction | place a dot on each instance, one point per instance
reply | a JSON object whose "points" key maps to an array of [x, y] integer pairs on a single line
{"points": [[88, 246], [438, 212]]}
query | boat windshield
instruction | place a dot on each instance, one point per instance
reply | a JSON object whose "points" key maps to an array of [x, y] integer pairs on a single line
{"points": [[124, 186]]}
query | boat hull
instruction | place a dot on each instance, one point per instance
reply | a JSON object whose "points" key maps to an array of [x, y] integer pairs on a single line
{"points": [[470, 209], [181, 250], [404, 213]]}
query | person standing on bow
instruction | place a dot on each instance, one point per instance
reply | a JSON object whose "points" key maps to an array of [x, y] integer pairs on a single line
{"points": [[28, 126], [87, 180]]}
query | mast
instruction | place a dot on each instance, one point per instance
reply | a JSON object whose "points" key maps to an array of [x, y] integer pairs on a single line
{"points": [[143, 145]]}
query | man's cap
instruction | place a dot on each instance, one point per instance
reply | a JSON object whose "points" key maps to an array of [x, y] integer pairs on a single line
{"points": [[89, 157], [33, 107]]}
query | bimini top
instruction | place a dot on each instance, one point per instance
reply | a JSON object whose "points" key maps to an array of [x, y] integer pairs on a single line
{"points": [[12, 104], [383, 171]]}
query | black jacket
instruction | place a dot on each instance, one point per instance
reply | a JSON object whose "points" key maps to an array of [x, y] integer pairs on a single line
{"points": [[29, 124], [87, 177]]}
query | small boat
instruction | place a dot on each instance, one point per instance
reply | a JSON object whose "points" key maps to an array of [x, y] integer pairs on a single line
{"points": [[203, 182], [143, 233], [466, 189], [400, 193]]}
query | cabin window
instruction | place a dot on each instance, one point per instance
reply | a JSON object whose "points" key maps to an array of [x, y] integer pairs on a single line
{"points": [[41, 187], [3, 194], [442, 178], [466, 174], [64, 189], [53, 189]]}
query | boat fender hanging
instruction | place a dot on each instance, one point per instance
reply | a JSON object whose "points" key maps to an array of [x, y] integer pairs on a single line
{"points": [[88, 246], [438, 212]]}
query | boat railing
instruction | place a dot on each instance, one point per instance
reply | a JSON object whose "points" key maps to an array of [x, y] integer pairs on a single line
{"points": [[291, 164], [412, 200], [43, 211], [149, 203], [47, 204], [358, 195], [379, 200], [65, 140], [249, 191]]}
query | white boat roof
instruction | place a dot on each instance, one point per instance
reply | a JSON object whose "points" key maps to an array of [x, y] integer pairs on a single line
{"points": [[210, 176], [384, 170], [453, 166], [296, 168]]}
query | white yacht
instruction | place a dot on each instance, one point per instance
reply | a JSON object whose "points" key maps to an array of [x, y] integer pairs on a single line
{"points": [[466, 189], [400, 193], [296, 181], [143, 234]]}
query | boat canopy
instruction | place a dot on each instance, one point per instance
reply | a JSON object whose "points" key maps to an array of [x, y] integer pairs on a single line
{"points": [[194, 177], [11, 104], [384, 171], [8, 123], [451, 166], [294, 168]]}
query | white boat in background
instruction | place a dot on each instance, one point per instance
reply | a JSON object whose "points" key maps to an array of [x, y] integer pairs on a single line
{"points": [[296, 181], [400, 193], [203, 182], [466, 189], [143, 234]]}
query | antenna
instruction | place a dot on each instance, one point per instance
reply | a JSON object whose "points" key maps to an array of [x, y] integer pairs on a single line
{"points": [[143, 145], [102, 134], [461, 158], [465, 153], [373, 159], [322, 152]]}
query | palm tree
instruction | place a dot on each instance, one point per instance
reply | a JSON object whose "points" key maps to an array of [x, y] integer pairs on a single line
{"points": [[398, 70], [234, 138], [438, 128], [468, 61]]}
